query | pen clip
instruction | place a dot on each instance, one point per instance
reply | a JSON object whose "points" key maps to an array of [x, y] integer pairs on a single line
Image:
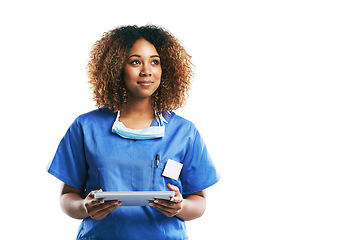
{"points": [[157, 159]]}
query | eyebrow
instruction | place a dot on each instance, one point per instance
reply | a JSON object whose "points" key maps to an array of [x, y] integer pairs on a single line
{"points": [[152, 56]]}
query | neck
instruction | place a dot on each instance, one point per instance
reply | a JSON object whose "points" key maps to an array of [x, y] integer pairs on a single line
{"points": [[138, 108]]}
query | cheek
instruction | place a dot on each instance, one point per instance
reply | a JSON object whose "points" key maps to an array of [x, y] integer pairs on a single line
{"points": [[130, 73], [158, 73], [130, 77]]}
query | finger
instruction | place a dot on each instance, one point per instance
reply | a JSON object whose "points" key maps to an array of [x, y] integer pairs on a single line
{"points": [[100, 212], [160, 207], [94, 209], [165, 210], [108, 210], [92, 193], [104, 205], [165, 203], [176, 199], [92, 200]]}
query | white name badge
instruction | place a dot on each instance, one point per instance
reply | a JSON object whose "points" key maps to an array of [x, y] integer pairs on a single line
{"points": [[172, 169]]}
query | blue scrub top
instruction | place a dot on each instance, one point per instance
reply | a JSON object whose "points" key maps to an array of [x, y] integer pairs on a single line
{"points": [[91, 157]]}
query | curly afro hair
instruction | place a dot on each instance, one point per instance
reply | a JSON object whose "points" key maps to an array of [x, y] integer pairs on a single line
{"points": [[107, 60]]}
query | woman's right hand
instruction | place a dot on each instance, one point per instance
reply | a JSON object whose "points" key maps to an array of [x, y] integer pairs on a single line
{"points": [[98, 208]]}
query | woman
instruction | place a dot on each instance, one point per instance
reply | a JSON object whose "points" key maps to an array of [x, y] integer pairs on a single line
{"points": [[138, 76]]}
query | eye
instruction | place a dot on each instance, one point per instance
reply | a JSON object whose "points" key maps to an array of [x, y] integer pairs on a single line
{"points": [[135, 62], [155, 62]]}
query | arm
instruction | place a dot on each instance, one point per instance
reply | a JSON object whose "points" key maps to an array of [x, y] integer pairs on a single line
{"points": [[75, 206], [193, 207], [190, 207]]}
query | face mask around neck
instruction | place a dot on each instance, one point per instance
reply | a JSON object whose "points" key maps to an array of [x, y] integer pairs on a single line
{"points": [[138, 134]]}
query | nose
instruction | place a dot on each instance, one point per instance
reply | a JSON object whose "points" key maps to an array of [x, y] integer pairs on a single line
{"points": [[145, 71]]}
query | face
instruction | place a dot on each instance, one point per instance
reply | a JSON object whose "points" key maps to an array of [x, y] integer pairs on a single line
{"points": [[142, 73]]}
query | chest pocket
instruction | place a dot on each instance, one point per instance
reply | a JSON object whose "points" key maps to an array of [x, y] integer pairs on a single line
{"points": [[160, 182]]}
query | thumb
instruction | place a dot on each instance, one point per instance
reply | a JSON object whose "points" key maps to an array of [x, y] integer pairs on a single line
{"points": [[91, 194], [172, 187], [177, 197]]}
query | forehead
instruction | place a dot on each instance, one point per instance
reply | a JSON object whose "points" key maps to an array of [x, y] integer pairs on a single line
{"points": [[143, 48]]}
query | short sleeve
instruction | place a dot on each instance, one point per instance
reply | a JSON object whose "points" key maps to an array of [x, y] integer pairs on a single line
{"points": [[198, 171], [69, 163]]}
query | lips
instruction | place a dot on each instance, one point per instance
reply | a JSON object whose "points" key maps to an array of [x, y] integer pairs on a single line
{"points": [[145, 83]]}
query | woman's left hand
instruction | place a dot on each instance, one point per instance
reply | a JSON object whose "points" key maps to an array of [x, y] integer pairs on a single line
{"points": [[169, 207]]}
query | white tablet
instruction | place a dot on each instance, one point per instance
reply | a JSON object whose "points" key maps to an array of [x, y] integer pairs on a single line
{"points": [[136, 198]]}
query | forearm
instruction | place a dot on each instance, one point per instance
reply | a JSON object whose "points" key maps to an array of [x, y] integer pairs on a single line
{"points": [[73, 205], [193, 207]]}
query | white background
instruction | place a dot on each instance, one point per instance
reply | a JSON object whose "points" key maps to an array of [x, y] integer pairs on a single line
{"points": [[275, 96]]}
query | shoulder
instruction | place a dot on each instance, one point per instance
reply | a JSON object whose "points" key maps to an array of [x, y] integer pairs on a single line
{"points": [[181, 126], [101, 115], [179, 121]]}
